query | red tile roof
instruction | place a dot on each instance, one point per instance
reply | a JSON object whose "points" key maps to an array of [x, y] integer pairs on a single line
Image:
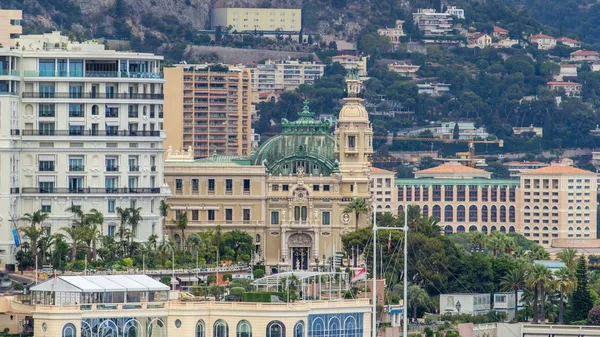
{"points": [[378, 170], [566, 39], [564, 83], [584, 53], [558, 169], [540, 36], [452, 167], [499, 30]]}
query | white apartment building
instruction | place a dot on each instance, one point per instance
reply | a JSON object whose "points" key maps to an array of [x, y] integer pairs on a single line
{"points": [[517, 167], [284, 75], [352, 63], [80, 126], [432, 23], [454, 11], [472, 304]]}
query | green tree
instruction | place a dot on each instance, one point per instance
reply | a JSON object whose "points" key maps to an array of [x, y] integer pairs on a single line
{"points": [[580, 302], [182, 223], [514, 280], [540, 279], [456, 131], [569, 257], [32, 232], [417, 296], [565, 281], [135, 217], [358, 206], [164, 212]]}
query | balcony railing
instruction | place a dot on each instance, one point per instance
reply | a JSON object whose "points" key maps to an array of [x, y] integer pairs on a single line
{"points": [[112, 169], [76, 168], [8, 72], [80, 95], [91, 190], [134, 168], [122, 74], [153, 168], [46, 168], [121, 133]]}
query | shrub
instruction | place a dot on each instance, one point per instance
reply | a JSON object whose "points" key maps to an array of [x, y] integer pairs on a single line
{"points": [[18, 286], [452, 333], [227, 277], [166, 280], [259, 273], [211, 279], [428, 332], [594, 316]]}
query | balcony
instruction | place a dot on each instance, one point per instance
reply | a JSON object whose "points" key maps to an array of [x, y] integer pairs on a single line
{"points": [[76, 168], [153, 168], [121, 133], [112, 169], [133, 114], [90, 190], [89, 95], [102, 74], [46, 168], [134, 168]]}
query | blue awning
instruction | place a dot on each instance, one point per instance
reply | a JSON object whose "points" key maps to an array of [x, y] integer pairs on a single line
{"points": [[396, 311]]}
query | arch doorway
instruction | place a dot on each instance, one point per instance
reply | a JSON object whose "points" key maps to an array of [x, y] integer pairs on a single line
{"points": [[300, 245]]}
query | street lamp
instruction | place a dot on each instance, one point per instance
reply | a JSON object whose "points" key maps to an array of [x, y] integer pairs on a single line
{"points": [[458, 306]]}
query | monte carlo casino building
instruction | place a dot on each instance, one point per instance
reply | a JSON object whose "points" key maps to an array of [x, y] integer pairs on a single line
{"points": [[289, 195]]}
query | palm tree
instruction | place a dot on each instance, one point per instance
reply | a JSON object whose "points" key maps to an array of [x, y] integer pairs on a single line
{"points": [[496, 243], [165, 250], [93, 220], [194, 243], [514, 280], [44, 244], [33, 234], [164, 212], [540, 279], [76, 235], [417, 296], [123, 214], [34, 219], [152, 239], [477, 239], [358, 206], [134, 220], [569, 257], [566, 283], [182, 223], [538, 253]]}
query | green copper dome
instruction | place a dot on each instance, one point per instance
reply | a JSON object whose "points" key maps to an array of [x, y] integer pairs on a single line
{"points": [[305, 145]]}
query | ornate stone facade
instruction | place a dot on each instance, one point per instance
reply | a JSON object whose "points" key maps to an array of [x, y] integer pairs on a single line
{"points": [[290, 195]]}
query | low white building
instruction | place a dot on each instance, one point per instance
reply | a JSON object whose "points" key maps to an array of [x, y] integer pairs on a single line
{"points": [[505, 302], [473, 304], [458, 12], [543, 41], [352, 63], [403, 69], [585, 56], [433, 89], [571, 89], [569, 42], [466, 130], [568, 72], [517, 167]]}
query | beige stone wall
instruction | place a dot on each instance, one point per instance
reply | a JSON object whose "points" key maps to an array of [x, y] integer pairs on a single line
{"points": [[6, 28], [173, 112]]}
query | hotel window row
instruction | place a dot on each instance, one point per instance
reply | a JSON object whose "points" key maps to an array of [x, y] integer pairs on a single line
{"points": [[472, 214], [211, 186], [453, 193]]}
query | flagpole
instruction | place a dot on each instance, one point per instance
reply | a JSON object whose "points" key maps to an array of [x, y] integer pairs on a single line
{"points": [[404, 312], [374, 286]]}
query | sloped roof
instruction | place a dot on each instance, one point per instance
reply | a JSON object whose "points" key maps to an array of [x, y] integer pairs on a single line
{"points": [[101, 283], [452, 167], [584, 53], [541, 36], [499, 30], [566, 39], [563, 83], [558, 169], [378, 170]]}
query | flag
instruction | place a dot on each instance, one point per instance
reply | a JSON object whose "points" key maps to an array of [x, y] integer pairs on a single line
{"points": [[360, 274], [389, 242]]}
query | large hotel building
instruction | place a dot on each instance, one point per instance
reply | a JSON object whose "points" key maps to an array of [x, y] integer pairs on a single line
{"points": [[80, 126]]}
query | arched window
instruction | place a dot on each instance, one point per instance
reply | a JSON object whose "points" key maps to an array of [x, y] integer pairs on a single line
{"points": [[460, 213], [511, 214], [299, 329], [400, 210], [494, 214], [448, 213], [257, 240], [437, 212], [472, 213], [555, 208], [570, 208], [502, 229], [526, 228], [200, 328], [545, 229], [334, 327], [578, 208], [275, 329], [554, 229], [545, 208], [472, 228], [527, 208], [244, 329], [448, 229], [94, 110], [177, 241], [578, 229], [69, 330], [570, 229], [493, 229], [484, 213], [220, 328], [425, 211], [350, 327], [484, 229], [587, 229], [460, 229], [587, 208], [502, 213]]}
